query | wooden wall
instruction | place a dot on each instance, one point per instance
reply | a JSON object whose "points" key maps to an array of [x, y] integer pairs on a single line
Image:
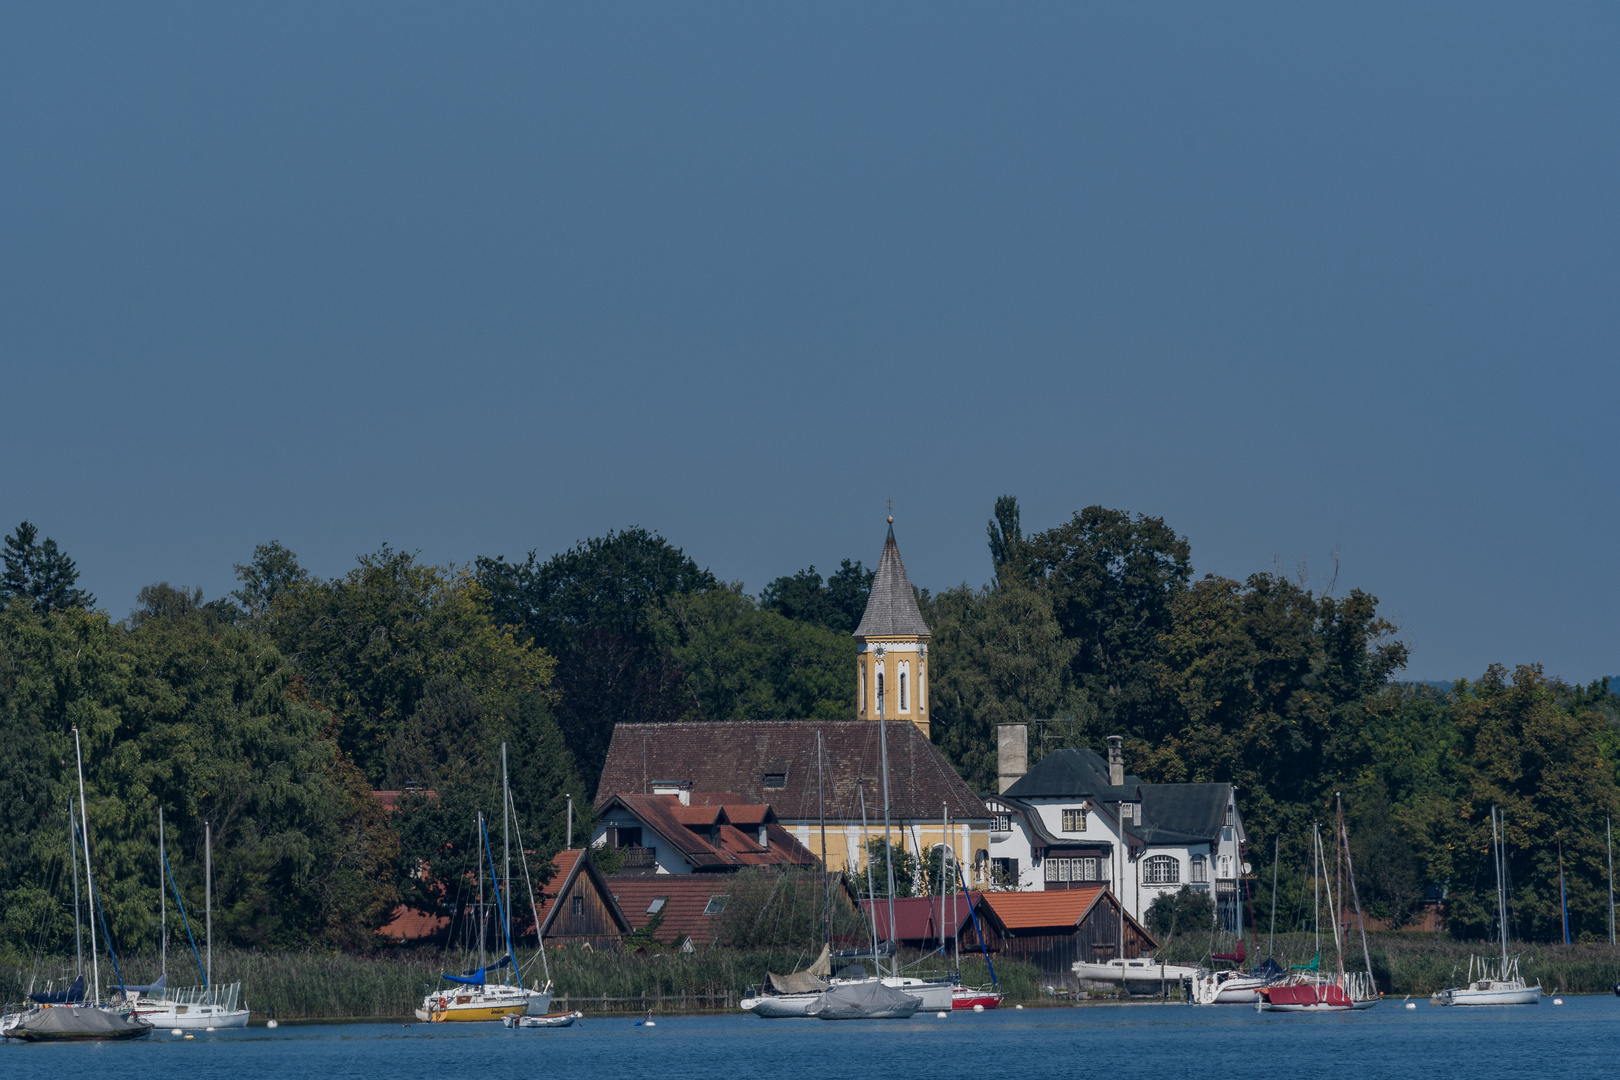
{"points": [[1054, 949], [594, 925]]}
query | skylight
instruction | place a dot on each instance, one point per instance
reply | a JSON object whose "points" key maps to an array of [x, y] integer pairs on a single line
{"points": [[656, 906]]}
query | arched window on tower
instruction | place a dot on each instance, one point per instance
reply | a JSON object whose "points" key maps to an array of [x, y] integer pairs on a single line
{"points": [[880, 688], [905, 677], [863, 686]]}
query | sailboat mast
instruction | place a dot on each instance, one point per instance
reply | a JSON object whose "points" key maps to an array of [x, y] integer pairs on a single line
{"points": [[1316, 887], [163, 898], [821, 811], [1276, 850], [73, 857], [1608, 829], [506, 853], [1361, 923], [1501, 903], [482, 928], [208, 898], [89, 875], [888, 848], [871, 897]]}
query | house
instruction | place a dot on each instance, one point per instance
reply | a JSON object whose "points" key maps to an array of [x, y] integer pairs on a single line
{"points": [[578, 907], [1076, 821], [920, 919], [808, 771], [687, 833], [1053, 930], [681, 910]]}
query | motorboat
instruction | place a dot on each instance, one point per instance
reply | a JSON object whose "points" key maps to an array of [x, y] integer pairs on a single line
{"points": [[550, 1020], [1143, 975], [870, 1000]]}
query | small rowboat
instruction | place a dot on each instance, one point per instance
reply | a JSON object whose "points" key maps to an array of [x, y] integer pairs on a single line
{"points": [[550, 1020]]}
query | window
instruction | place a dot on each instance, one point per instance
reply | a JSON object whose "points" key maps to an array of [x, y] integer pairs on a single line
{"points": [[1230, 814], [623, 836], [1200, 868], [1005, 870], [1226, 834], [1161, 870], [716, 904], [905, 675], [1130, 813], [1088, 868], [1001, 823], [578, 905], [656, 906], [775, 780], [863, 684], [1074, 820], [1225, 865], [880, 689]]}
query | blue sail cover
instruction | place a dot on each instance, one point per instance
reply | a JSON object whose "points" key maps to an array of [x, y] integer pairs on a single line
{"points": [[61, 997], [471, 978], [152, 988]]}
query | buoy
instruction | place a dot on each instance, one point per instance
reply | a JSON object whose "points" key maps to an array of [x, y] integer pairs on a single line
{"points": [[191, 1036], [939, 1016], [1018, 1006], [1558, 1001], [270, 1023], [1411, 1004], [176, 1031], [978, 1008], [208, 1029]]}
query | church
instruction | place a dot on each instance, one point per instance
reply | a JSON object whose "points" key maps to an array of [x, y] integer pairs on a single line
{"points": [[824, 780]]}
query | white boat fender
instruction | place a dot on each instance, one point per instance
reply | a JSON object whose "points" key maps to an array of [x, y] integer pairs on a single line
{"points": [[176, 1031], [271, 1024], [1558, 1001], [939, 1016], [208, 1029], [1018, 1006], [1411, 1004], [980, 1008]]}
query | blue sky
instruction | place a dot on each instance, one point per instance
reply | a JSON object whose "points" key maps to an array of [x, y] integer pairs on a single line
{"points": [[480, 279]]}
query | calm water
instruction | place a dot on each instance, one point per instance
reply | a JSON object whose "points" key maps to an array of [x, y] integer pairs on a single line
{"points": [[1141, 1042]]}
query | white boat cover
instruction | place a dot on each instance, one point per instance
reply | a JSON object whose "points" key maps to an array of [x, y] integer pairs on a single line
{"points": [[864, 1001], [63, 1022]]}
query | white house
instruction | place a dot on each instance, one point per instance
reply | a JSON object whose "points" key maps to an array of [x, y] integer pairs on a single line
{"points": [[1076, 820]]}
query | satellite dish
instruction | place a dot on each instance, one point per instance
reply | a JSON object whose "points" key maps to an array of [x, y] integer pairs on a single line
{"points": [[1247, 869]]}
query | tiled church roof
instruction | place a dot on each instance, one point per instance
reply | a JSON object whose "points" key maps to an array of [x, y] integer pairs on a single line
{"points": [[891, 610]]}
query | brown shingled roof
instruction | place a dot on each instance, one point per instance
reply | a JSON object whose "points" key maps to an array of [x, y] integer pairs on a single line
{"points": [[738, 756], [709, 837], [685, 897]]}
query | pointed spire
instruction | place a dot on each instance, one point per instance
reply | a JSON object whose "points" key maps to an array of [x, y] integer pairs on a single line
{"points": [[891, 610]]}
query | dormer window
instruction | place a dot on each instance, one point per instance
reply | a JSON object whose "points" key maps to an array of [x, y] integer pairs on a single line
{"points": [[1130, 813], [1074, 820], [775, 781]]}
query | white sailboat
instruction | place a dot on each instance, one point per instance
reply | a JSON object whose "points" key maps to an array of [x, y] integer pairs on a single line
{"points": [[1499, 983], [204, 1007], [472, 997]]}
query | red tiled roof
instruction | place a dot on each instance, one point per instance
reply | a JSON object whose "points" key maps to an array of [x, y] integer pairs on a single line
{"points": [[1029, 910], [685, 897], [390, 799], [408, 924], [919, 917], [708, 840], [738, 756]]}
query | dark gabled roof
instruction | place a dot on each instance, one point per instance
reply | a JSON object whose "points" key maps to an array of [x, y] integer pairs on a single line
{"points": [[1064, 774], [891, 609], [737, 756], [1178, 813]]}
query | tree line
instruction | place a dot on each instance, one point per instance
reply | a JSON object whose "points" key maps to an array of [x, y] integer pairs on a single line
{"points": [[273, 713]]}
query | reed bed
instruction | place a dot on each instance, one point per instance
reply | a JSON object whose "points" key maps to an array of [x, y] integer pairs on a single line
{"points": [[309, 985]]}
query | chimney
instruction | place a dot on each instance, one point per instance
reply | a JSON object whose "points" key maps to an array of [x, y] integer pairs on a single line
{"points": [[1116, 760], [1012, 754]]}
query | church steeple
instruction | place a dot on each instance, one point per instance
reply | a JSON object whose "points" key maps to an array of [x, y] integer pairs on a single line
{"points": [[892, 645]]}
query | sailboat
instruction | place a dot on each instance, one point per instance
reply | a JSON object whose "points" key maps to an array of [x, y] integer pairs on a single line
{"points": [[1499, 983], [63, 1016], [472, 997], [1309, 990], [207, 1006]]}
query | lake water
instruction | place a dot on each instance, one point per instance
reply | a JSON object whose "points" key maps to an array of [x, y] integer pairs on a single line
{"points": [[1139, 1042]]}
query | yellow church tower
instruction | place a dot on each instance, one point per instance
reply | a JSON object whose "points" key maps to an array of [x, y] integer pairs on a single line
{"points": [[892, 646]]}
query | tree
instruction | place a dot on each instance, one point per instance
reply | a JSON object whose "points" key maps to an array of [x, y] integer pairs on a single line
{"points": [[997, 656], [40, 575], [836, 605], [1187, 910], [743, 663], [1112, 579], [164, 601], [273, 570], [1008, 552], [907, 871], [590, 608]]}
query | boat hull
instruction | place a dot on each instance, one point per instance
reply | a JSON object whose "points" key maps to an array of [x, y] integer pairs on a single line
{"points": [[779, 1006], [193, 1017], [552, 1020], [1309, 998], [966, 998], [474, 1008], [1137, 976], [935, 996], [1232, 990], [1517, 996]]}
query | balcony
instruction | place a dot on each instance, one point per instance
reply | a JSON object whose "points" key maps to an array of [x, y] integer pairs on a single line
{"points": [[638, 858]]}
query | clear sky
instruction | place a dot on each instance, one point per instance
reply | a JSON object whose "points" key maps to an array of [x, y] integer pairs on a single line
{"points": [[479, 279]]}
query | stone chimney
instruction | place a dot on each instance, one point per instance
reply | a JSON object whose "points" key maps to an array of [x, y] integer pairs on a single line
{"points": [[1116, 760], [1012, 754]]}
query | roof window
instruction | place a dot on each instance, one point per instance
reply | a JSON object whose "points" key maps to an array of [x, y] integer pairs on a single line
{"points": [[775, 780], [717, 904], [656, 906]]}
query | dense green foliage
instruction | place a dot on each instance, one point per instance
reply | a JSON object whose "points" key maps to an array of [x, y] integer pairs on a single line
{"points": [[836, 604]]}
